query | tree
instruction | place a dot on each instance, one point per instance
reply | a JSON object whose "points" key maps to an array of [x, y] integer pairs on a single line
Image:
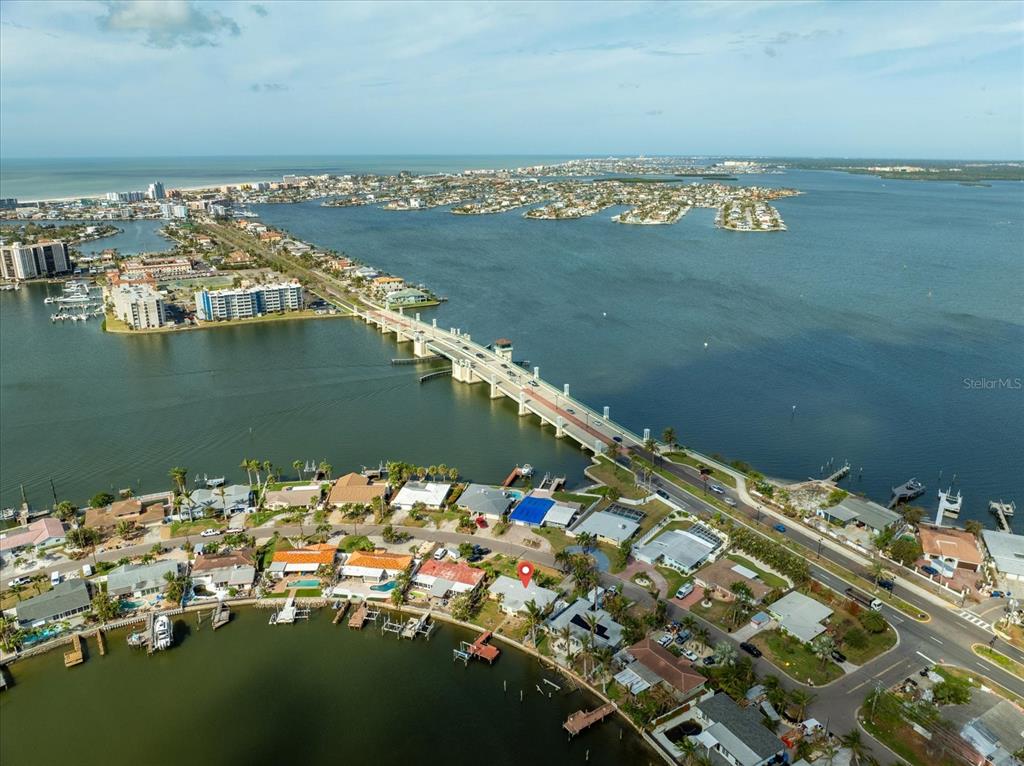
{"points": [[669, 436], [125, 528], [177, 587], [11, 635], [856, 638], [325, 469], [622, 553], [742, 591], [912, 514], [798, 702], [453, 474], [65, 511], [725, 653], [823, 646], [101, 500], [37, 581], [179, 475], [855, 743], [297, 465], [612, 493], [82, 538], [534, 617], [974, 527], [246, 465], [105, 606], [651, 446], [906, 550], [952, 692], [322, 530]]}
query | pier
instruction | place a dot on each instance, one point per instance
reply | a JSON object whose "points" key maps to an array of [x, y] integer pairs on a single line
{"points": [[839, 473], [582, 719], [221, 615], [101, 642], [75, 655], [359, 617], [480, 648], [341, 612], [1003, 512]]}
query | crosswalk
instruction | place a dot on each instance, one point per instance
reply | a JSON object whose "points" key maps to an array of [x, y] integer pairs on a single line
{"points": [[972, 617]]}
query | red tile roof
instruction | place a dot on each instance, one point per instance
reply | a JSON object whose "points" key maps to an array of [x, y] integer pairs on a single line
{"points": [[455, 571], [675, 671]]}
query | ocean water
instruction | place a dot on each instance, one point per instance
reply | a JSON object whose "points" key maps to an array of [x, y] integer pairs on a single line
{"points": [[33, 178]]}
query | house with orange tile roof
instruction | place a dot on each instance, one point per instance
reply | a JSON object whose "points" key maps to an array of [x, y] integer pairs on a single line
{"points": [[307, 560], [949, 547], [446, 577], [375, 566], [354, 488]]}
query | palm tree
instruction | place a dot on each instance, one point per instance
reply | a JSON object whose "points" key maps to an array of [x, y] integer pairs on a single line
{"points": [[177, 587], [725, 653], [442, 470], [823, 646], [603, 655], [268, 467], [565, 638], [798, 701], [669, 436], [431, 471], [533, 619], [65, 511], [105, 606], [37, 580], [246, 465], [877, 569], [651, 446], [855, 743], [256, 466], [974, 527], [297, 465], [326, 469], [453, 474], [563, 560], [179, 476], [421, 472]]}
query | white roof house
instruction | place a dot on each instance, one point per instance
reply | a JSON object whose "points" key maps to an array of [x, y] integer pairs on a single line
{"points": [[560, 515], [431, 494], [800, 615], [680, 549], [514, 597], [607, 526], [492, 502], [1007, 552]]}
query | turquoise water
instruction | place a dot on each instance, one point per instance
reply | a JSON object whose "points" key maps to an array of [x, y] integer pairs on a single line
{"points": [[134, 237], [306, 584], [385, 587]]}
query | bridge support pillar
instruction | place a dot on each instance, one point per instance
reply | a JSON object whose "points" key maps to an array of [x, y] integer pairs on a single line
{"points": [[433, 322], [495, 391], [522, 404], [565, 389], [607, 412], [647, 434], [536, 373], [559, 429], [419, 346]]}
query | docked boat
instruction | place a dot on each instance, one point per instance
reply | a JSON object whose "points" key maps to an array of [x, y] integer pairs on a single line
{"points": [[907, 491], [163, 633], [1006, 509], [948, 504], [526, 470]]}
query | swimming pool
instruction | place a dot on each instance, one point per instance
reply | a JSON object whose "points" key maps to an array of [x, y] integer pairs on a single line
{"points": [[305, 584], [385, 587]]}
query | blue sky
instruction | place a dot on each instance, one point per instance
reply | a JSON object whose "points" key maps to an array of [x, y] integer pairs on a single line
{"points": [[778, 78]]}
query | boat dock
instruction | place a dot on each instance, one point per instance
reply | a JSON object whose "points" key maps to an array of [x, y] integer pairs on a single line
{"points": [[839, 473], [221, 615], [150, 639], [1003, 512], [582, 719], [359, 617], [101, 641], [341, 612], [480, 648], [76, 655], [906, 492]]}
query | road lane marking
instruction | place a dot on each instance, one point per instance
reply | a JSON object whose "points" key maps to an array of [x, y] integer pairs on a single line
{"points": [[982, 665], [933, 638], [929, 659]]}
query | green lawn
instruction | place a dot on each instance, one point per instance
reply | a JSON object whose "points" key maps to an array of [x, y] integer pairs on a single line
{"points": [[718, 475], [570, 497], [674, 580], [794, 658], [351, 543], [998, 658], [268, 555], [842, 621], [656, 511], [261, 517], [714, 614], [612, 475], [769, 579], [181, 528]]}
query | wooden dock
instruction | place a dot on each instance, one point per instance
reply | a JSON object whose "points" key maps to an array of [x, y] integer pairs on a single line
{"points": [[582, 719], [221, 615], [101, 641], [341, 612], [76, 655], [359, 617]]}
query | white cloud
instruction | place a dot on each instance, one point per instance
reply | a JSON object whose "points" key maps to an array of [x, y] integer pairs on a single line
{"points": [[168, 23]]}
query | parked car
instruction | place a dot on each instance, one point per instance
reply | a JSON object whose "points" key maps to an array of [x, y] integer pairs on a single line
{"points": [[18, 581], [479, 355], [929, 570], [718, 489], [617, 439], [838, 656], [440, 554], [690, 655], [709, 660], [729, 501], [780, 528], [684, 590], [665, 640], [750, 649], [54, 578], [661, 493], [86, 570], [209, 533], [998, 594], [480, 521]]}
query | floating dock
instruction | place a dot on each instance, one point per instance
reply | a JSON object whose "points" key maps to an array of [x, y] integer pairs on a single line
{"points": [[75, 655], [582, 719]]}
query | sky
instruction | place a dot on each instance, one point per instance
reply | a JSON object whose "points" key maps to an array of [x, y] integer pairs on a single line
{"points": [[836, 79]]}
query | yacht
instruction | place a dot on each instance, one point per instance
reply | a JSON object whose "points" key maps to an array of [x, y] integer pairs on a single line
{"points": [[163, 633]]}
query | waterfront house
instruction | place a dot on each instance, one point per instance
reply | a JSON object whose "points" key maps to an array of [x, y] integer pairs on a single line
{"points": [[138, 580], [221, 571], [1006, 550], [512, 597], [531, 511], [305, 496], [302, 560], [217, 501], [736, 734], [950, 548], [407, 296], [561, 515], [647, 664], [482, 500], [355, 489], [681, 549], [862, 512], [607, 632], [801, 616], [607, 527], [375, 566], [141, 511], [447, 577], [717, 579], [40, 533], [431, 494], [64, 601]]}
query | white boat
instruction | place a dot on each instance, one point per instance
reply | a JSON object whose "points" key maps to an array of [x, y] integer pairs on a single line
{"points": [[163, 633], [526, 470], [948, 504], [49, 299]]}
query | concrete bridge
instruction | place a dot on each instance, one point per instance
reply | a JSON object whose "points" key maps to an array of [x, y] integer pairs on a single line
{"points": [[473, 362]]}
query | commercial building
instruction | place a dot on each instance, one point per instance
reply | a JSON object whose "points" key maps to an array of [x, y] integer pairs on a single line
{"points": [[248, 302], [43, 259], [157, 267], [156, 191], [1007, 553], [140, 306], [65, 600], [169, 211]]}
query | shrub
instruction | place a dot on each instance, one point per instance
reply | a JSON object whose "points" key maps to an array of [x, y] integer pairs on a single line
{"points": [[952, 692], [856, 638], [873, 622]]}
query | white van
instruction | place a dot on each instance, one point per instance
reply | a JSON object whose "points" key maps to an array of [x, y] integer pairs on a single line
{"points": [[86, 570], [54, 579], [440, 554]]}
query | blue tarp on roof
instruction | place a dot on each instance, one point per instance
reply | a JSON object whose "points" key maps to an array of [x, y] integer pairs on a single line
{"points": [[532, 510]]}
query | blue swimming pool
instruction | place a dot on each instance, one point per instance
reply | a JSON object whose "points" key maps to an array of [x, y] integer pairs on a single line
{"points": [[306, 584], [385, 587]]}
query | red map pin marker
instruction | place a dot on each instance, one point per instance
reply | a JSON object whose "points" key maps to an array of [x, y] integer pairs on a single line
{"points": [[525, 570]]}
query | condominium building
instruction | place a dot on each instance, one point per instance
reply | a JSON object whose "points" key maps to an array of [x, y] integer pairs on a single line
{"points": [[158, 267], [43, 259], [156, 191], [168, 211], [244, 303], [139, 306]]}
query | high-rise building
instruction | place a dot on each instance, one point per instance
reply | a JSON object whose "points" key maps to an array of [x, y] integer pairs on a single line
{"points": [[8, 203], [245, 303], [140, 306], [43, 259], [173, 211], [156, 190]]}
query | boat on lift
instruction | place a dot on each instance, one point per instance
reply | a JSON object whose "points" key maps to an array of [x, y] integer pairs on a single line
{"points": [[948, 504]]}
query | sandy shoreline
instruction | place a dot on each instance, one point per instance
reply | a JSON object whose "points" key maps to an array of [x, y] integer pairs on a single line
{"points": [[101, 195]]}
